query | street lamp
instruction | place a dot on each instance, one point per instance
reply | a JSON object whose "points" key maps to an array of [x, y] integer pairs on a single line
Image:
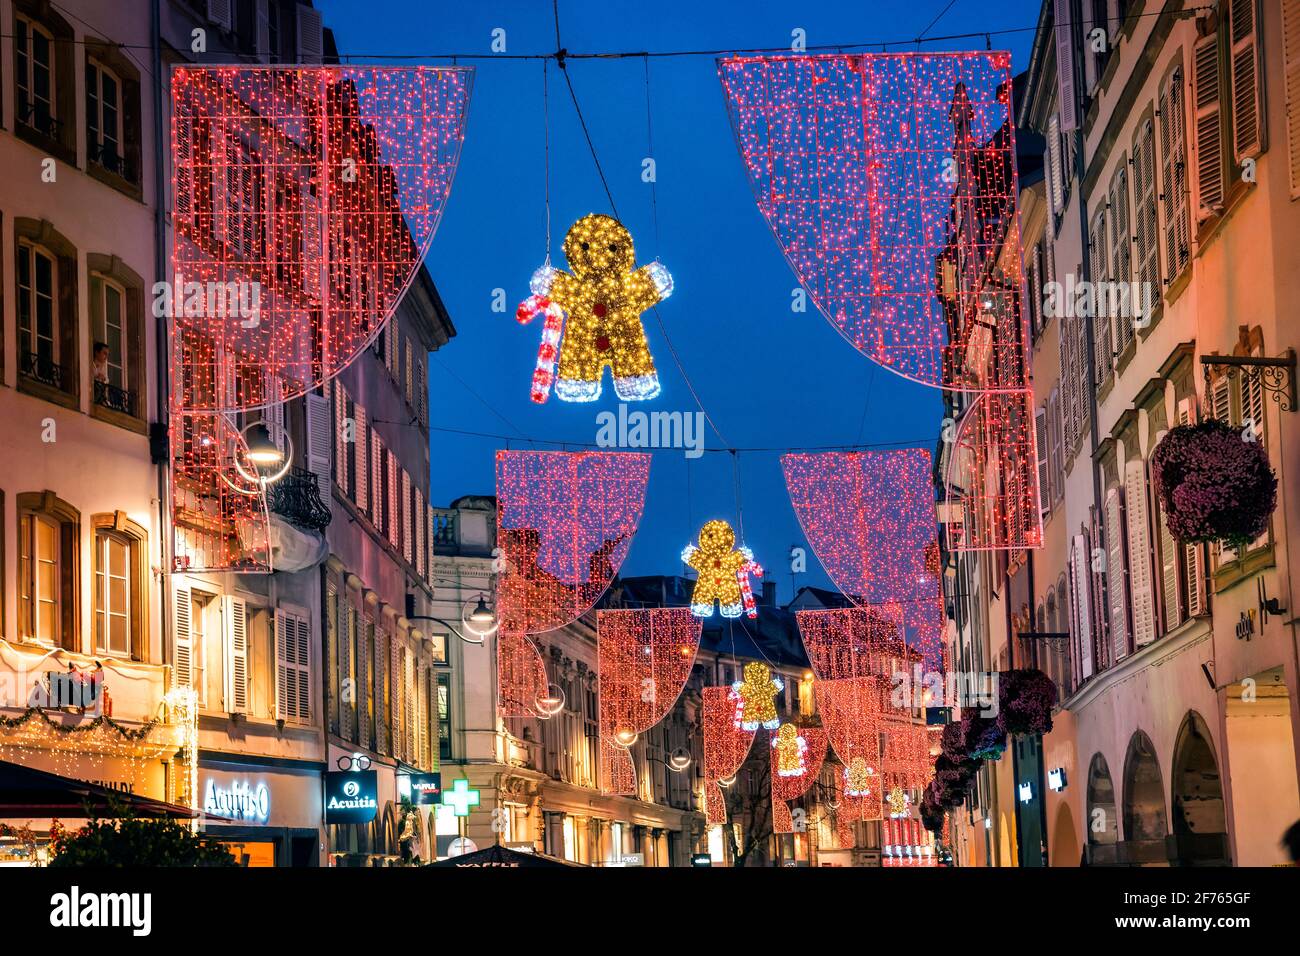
{"points": [[480, 622]]}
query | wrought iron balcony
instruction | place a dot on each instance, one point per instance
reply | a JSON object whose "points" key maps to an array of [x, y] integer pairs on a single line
{"points": [[296, 498], [41, 368], [37, 118], [118, 399], [108, 159]]}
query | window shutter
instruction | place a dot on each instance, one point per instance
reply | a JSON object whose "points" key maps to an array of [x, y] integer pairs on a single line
{"points": [[1058, 458], [1291, 74], [183, 197], [394, 516], [1102, 357], [381, 691], [235, 622], [1041, 441], [1056, 183], [310, 41], [1121, 254], [395, 683], [303, 640], [221, 12], [1171, 593], [360, 458], [1247, 129], [293, 666], [1209, 127], [275, 409], [376, 481], [417, 520], [341, 403], [1081, 605], [1138, 520], [348, 691], [1116, 574], [317, 410], [313, 230], [408, 710], [1065, 52], [1221, 400], [1144, 195], [1173, 151], [362, 687], [408, 523], [182, 637], [428, 540], [1064, 349], [1193, 554]]}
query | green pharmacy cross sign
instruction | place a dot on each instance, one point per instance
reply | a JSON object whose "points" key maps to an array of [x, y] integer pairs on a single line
{"points": [[460, 798]]}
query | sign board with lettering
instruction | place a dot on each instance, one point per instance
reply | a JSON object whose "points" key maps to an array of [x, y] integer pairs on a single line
{"points": [[425, 787], [351, 796]]}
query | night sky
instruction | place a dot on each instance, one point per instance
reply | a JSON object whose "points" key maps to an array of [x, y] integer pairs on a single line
{"points": [[768, 377]]}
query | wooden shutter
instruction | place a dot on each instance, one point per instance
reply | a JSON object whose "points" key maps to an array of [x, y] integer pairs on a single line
{"points": [[1116, 574], [1056, 186], [1206, 87], [1081, 605], [395, 697], [376, 481], [428, 540], [1058, 454], [1147, 231], [1171, 592], [317, 411], [418, 522], [363, 685], [1193, 554], [408, 519], [394, 516], [234, 620], [1247, 112], [1140, 552], [310, 35], [360, 455], [1065, 51], [1040, 439], [293, 666], [347, 677], [182, 637], [1291, 74], [1103, 359], [1173, 154], [1121, 251], [381, 691], [221, 12], [182, 162], [408, 708], [341, 403]]}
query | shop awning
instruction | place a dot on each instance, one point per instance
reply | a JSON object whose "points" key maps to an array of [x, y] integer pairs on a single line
{"points": [[500, 857], [27, 792]]}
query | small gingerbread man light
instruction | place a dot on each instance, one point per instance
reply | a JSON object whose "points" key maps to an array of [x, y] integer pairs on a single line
{"points": [[603, 299], [790, 748], [757, 692], [858, 778], [723, 573]]}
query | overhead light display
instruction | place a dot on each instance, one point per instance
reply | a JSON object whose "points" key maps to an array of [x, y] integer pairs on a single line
{"points": [[722, 573]]}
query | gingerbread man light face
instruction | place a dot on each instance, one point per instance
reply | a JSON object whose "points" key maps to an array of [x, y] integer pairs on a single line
{"points": [[723, 573], [603, 300]]}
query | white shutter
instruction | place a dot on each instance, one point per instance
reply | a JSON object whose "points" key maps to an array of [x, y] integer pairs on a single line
{"points": [[417, 520], [317, 411], [1193, 554], [182, 163], [1116, 574], [275, 409], [311, 45], [234, 620], [1171, 593], [1247, 116], [1221, 400], [340, 395], [1209, 126], [1121, 251], [428, 540], [1291, 75], [360, 458], [377, 459], [293, 666], [1173, 152], [1065, 66], [264, 30], [408, 688], [395, 685], [362, 690], [1041, 440], [221, 12], [182, 637], [394, 516], [408, 523], [1144, 196], [1103, 360], [381, 691], [348, 691], [1081, 605], [314, 283], [1140, 552], [1058, 456], [1056, 185]]}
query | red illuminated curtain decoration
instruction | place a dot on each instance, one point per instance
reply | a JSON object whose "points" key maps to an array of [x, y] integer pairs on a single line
{"points": [[644, 658], [303, 201], [785, 789], [992, 476], [726, 746], [890, 183], [565, 522], [852, 642], [521, 676], [851, 711], [870, 518]]}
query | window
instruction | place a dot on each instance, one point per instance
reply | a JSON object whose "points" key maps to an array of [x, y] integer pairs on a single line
{"points": [[104, 117], [112, 593], [34, 61], [444, 717], [37, 316], [40, 571], [245, 224]]}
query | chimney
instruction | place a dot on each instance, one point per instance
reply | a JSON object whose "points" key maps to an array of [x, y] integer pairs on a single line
{"points": [[769, 593]]}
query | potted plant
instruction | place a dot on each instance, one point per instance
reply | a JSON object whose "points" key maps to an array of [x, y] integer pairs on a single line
{"points": [[1026, 697]]}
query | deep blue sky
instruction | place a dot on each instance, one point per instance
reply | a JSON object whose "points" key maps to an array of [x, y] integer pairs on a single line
{"points": [[767, 377]]}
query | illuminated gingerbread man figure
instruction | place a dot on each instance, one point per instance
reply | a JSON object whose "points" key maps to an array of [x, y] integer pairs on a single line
{"points": [[757, 693], [723, 573], [790, 749], [604, 299], [858, 777]]}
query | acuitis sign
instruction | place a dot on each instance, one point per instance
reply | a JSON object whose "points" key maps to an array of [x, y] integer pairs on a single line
{"points": [[351, 796], [240, 801]]}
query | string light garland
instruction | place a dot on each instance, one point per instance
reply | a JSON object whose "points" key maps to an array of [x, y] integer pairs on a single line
{"points": [[603, 299], [992, 478], [856, 162], [722, 573], [565, 522], [855, 642], [303, 200], [851, 711], [644, 658], [870, 519], [726, 745]]}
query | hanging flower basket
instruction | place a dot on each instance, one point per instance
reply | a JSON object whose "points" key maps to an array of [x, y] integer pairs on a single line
{"points": [[1026, 697], [982, 738], [1213, 484], [955, 774], [952, 742], [932, 809]]}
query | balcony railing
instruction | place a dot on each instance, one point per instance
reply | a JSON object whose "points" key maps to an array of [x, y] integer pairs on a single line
{"points": [[41, 368], [444, 529], [37, 118], [296, 498], [114, 398]]}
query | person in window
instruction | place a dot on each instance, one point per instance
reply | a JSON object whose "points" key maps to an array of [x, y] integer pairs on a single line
{"points": [[99, 362]]}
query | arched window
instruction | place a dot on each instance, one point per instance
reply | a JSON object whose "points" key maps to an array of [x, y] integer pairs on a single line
{"points": [[121, 586], [48, 535], [1102, 825], [1145, 826]]}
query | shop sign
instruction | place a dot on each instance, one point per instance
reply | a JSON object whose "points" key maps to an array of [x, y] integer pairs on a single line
{"points": [[240, 801], [425, 787], [351, 796]]}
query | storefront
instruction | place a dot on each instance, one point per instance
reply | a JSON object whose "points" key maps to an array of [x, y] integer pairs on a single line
{"points": [[268, 812]]}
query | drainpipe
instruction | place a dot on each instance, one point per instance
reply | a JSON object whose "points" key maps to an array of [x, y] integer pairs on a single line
{"points": [[162, 347]]}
